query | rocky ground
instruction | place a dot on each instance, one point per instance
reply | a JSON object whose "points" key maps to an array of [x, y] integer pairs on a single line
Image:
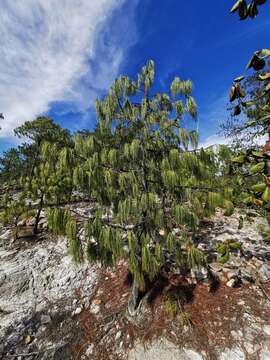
{"points": [[52, 309]]}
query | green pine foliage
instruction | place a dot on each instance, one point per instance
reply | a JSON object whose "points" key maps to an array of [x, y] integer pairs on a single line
{"points": [[143, 168], [39, 171], [15, 210], [57, 220]]}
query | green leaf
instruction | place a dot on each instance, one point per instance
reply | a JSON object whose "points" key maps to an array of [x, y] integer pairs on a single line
{"points": [[256, 62], [267, 88], [247, 199], [258, 187], [241, 92], [229, 208], [235, 245], [266, 194], [233, 93], [252, 10], [226, 257], [248, 103], [236, 6], [264, 76], [221, 248], [251, 123], [264, 119], [249, 64], [237, 110], [239, 159], [239, 180], [264, 52], [257, 168], [239, 78], [257, 153], [243, 10], [179, 108]]}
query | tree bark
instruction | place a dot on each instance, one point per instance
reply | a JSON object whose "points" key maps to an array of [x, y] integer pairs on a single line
{"points": [[133, 300], [16, 237], [35, 231]]}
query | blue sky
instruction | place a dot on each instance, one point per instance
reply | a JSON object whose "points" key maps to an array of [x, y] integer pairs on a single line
{"points": [[58, 58]]}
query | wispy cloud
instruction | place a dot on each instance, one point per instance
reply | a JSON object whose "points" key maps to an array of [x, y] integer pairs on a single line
{"points": [[221, 140], [57, 51], [214, 140]]}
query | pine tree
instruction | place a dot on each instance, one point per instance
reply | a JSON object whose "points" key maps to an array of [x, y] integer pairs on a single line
{"points": [[36, 170], [150, 181], [50, 181], [14, 209]]}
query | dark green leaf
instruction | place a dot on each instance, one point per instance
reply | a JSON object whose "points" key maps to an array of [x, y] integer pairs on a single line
{"points": [[252, 10], [243, 10], [237, 110]]}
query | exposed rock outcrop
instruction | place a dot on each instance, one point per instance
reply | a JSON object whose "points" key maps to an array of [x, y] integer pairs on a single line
{"points": [[51, 308], [39, 283]]}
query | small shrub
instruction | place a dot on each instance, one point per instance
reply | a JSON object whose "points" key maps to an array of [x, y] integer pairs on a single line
{"points": [[225, 248], [264, 232]]}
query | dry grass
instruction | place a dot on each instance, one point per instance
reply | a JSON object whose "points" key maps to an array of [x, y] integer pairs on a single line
{"points": [[206, 320]]}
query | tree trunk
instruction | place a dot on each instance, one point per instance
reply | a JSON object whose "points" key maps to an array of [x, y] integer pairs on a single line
{"points": [[16, 237], [35, 231], [133, 300]]}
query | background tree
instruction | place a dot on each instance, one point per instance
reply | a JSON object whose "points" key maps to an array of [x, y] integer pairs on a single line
{"points": [[150, 182], [252, 165], [36, 132], [249, 120], [34, 170], [45, 181], [49, 182], [11, 166], [15, 209]]}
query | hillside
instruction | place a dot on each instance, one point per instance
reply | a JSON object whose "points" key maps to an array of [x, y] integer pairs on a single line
{"points": [[53, 309]]}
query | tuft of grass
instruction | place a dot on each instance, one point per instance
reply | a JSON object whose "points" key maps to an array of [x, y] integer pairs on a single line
{"points": [[264, 231], [241, 223], [184, 319], [171, 307]]}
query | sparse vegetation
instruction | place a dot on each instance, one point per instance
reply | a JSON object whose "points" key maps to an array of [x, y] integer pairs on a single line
{"points": [[225, 248]]}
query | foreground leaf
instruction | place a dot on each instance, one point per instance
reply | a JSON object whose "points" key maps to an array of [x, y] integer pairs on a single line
{"points": [[264, 76], [236, 6]]}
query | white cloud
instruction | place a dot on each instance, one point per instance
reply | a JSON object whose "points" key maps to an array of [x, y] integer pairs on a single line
{"points": [[214, 140], [56, 51], [221, 140]]}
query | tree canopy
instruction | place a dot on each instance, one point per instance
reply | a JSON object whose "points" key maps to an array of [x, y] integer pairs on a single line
{"points": [[149, 180]]}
